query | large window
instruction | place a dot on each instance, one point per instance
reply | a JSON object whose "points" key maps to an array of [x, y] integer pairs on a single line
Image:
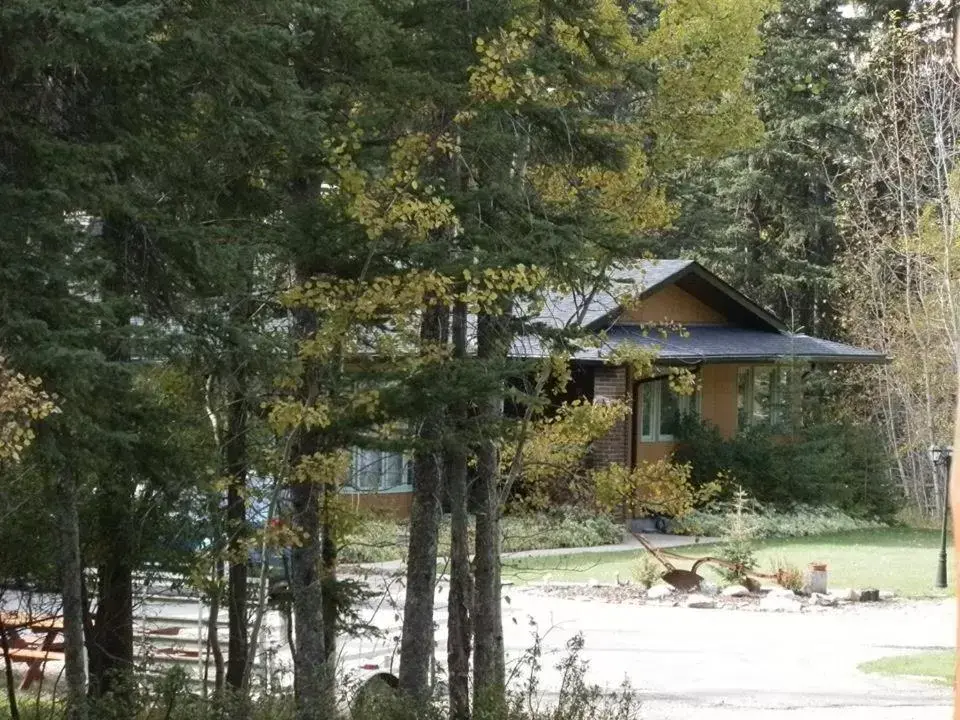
{"points": [[661, 410], [377, 470], [766, 395]]}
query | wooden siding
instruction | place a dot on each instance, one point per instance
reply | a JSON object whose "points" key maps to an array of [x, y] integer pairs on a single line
{"points": [[673, 305], [391, 504]]}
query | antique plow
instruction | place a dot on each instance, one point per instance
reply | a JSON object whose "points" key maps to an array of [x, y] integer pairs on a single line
{"points": [[689, 580]]}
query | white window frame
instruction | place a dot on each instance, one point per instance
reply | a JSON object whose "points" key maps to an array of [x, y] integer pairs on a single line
{"points": [[687, 403], [386, 483], [780, 407]]}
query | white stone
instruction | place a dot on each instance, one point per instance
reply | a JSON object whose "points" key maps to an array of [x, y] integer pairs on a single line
{"points": [[735, 591], [780, 604], [659, 592], [709, 588], [780, 592], [593, 582], [848, 594], [887, 594], [700, 601]]}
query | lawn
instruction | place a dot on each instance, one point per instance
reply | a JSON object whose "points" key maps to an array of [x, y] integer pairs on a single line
{"points": [[898, 559], [938, 666]]}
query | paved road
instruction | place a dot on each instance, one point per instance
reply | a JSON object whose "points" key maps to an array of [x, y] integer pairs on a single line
{"points": [[720, 664]]}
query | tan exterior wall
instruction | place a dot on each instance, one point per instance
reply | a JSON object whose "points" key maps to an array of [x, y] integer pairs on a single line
{"points": [[392, 504], [673, 305], [718, 406], [719, 397]]}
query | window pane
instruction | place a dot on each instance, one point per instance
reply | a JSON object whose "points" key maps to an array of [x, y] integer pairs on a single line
{"points": [[782, 397], [392, 471], [670, 411], [366, 470], [743, 396], [648, 391], [762, 394]]}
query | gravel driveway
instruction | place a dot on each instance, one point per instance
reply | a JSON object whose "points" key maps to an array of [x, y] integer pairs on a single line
{"points": [[719, 664]]}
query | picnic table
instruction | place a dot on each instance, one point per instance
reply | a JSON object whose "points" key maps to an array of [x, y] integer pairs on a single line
{"points": [[34, 651]]}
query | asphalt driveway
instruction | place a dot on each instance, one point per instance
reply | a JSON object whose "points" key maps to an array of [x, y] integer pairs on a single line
{"points": [[744, 664]]}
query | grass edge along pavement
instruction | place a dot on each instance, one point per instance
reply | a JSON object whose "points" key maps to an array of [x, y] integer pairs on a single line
{"points": [[936, 666], [899, 559]]}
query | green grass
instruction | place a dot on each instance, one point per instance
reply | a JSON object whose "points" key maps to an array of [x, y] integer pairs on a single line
{"points": [[899, 559], [938, 665]]}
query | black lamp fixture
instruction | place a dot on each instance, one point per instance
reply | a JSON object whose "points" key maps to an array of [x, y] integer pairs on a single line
{"points": [[940, 457]]}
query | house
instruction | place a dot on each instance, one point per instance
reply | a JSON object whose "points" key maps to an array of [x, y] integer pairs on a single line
{"points": [[746, 361]]}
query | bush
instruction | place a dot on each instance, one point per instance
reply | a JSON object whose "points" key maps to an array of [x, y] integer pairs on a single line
{"points": [[647, 571], [381, 540], [769, 522], [833, 464], [788, 575], [737, 540]]}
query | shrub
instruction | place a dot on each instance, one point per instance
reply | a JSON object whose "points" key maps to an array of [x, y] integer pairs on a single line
{"points": [[647, 571], [769, 522], [788, 575], [737, 540], [381, 540], [837, 464], [661, 486]]}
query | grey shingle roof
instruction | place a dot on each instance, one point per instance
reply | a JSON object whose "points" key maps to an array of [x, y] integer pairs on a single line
{"points": [[713, 343], [560, 309]]}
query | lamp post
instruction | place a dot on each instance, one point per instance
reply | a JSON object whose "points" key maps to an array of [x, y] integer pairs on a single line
{"points": [[940, 456]]}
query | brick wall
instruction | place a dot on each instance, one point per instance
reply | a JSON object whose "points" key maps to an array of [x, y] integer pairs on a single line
{"points": [[614, 447]]}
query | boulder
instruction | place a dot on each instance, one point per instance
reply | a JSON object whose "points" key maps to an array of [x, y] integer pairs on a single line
{"points": [[774, 603], [700, 601], [847, 594], [709, 588], [735, 591], [823, 600], [780, 592], [870, 595], [659, 592], [887, 594]]}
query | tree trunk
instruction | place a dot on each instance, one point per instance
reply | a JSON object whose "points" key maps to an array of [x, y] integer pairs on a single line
{"points": [[313, 697], [461, 584], [489, 674], [12, 707], [110, 648], [71, 574], [213, 638], [328, 563], [235, 464], [417, 642]]}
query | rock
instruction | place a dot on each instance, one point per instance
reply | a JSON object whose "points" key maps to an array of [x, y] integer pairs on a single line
{"points": [[700, 601], [845, 594], [659, 592], [871, 595], [592, 582], [773, 603], [735, 591], [887, 594], [824, 600], [709, 588], [784, 593]]}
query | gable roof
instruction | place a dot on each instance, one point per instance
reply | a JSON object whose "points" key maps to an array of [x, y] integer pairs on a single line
{"points": [[756, 334]]}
